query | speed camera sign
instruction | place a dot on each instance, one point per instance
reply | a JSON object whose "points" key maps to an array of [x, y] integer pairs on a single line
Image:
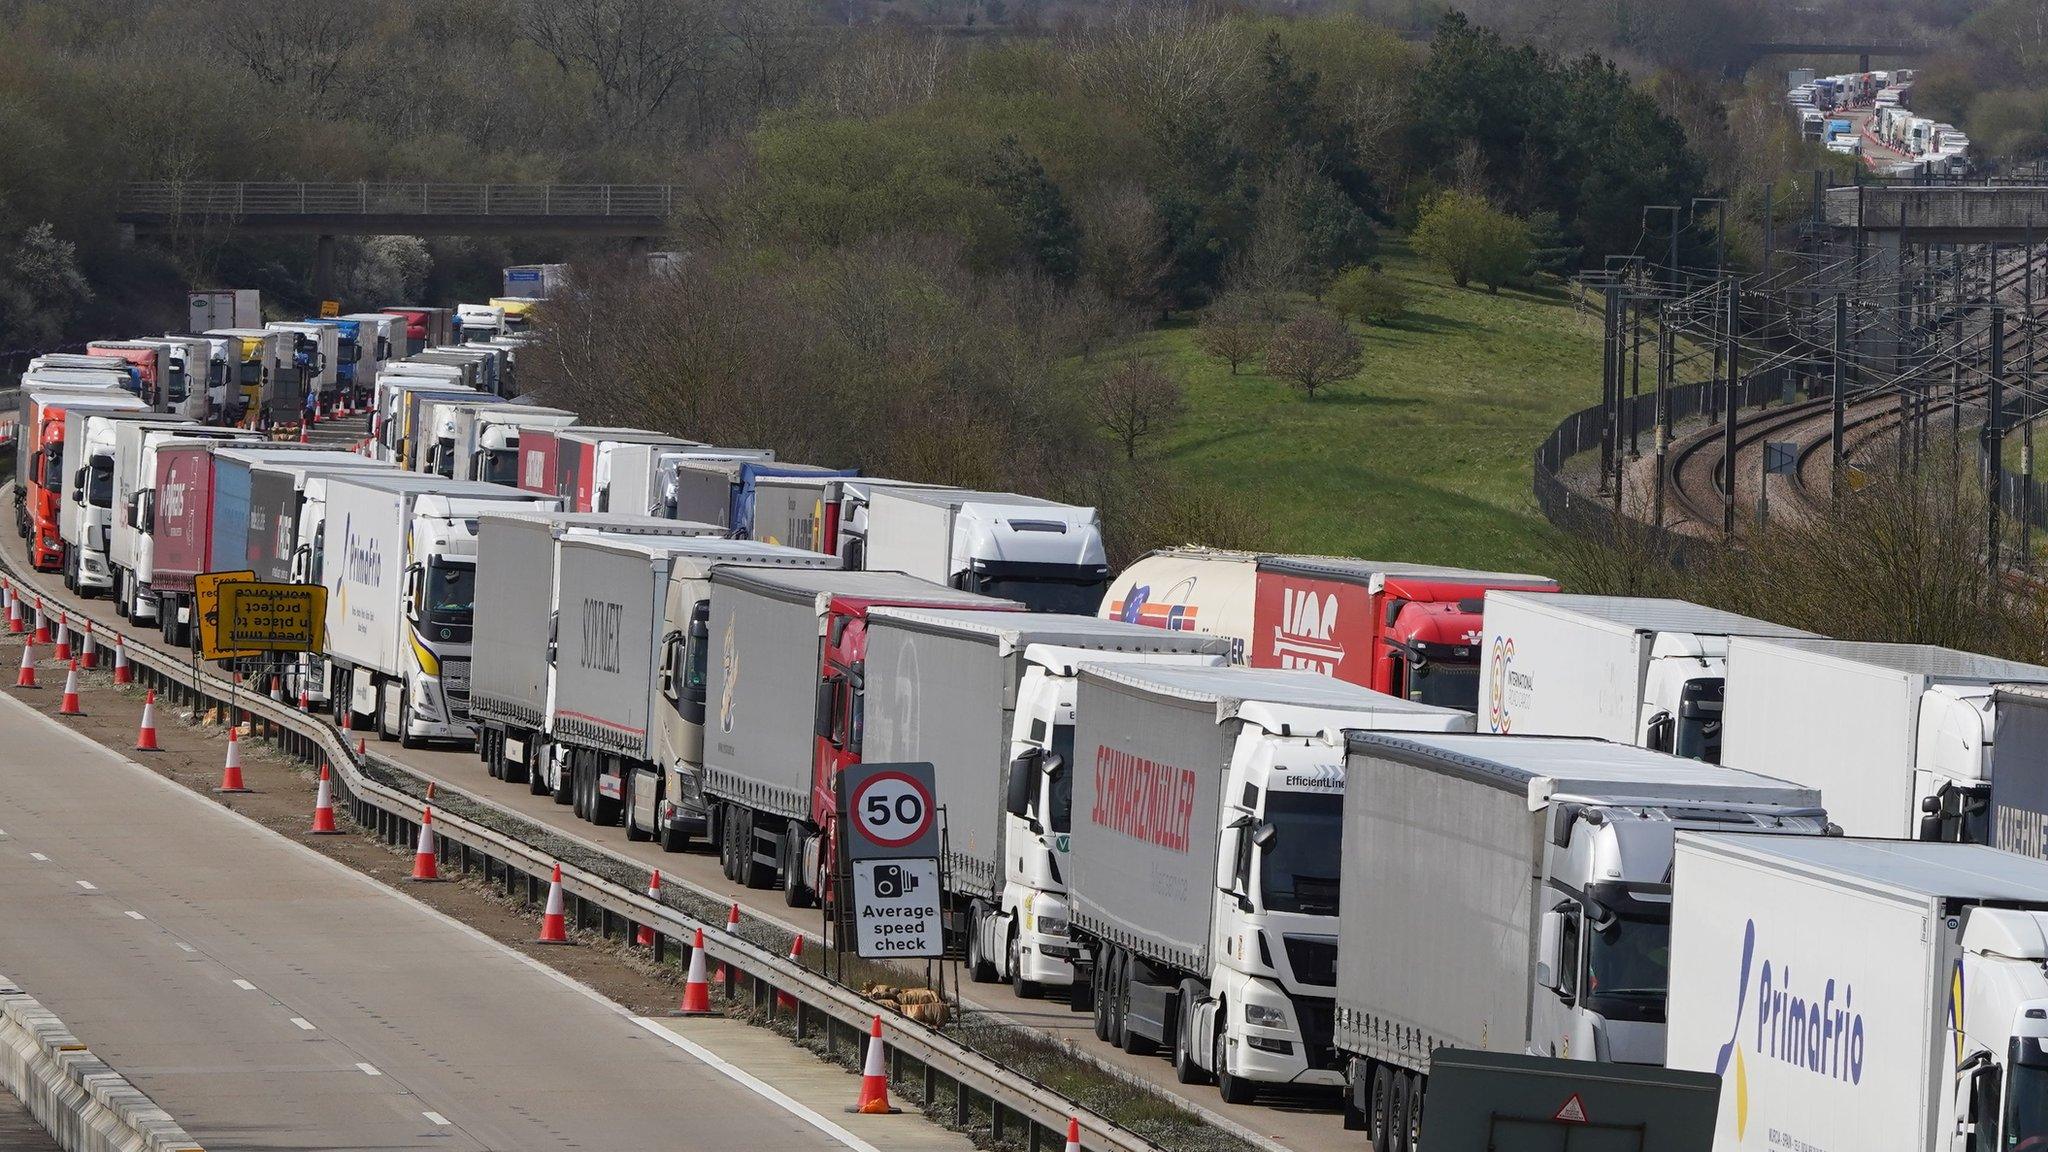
{"points": [[892, 810]]}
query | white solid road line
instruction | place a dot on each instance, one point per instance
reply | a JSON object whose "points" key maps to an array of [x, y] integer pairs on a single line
{"points": [[245, 986], [708, 1058], [186, 947]]}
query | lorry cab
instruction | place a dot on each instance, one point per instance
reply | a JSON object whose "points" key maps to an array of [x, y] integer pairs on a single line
{"points": [[316, 354], [354, 357], [50, 465], [158, 383], [478, 322], [211, 365], [486, 441], [517, 312], [267, 382], [88, 512], [1045, 555], [424, 328]]}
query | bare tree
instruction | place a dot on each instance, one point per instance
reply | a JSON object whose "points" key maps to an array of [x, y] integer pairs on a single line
{"points": [[1313, 351], [293, 46], [1137, 400], [1235, 329], [1123, 243], [637, 53], [1166, 63]]}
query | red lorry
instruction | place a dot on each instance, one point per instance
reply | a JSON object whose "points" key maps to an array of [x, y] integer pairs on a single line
{"points": [[1411, 630], [539, 455], [42, 503], [784, 667]]}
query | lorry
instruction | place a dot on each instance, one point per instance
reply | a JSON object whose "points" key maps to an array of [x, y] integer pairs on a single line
{"points": [[1048, 555], [821, 510], [1859, 993], [517, 314], [200, 366], [1898, 737], [1514, 894], [476, 322], [86, 519], [1407, 629], [618, 661], [424, 327], [223, 308], [316, 354], [235, 512], [270, 388], [484, 442], [50, 464], [401, 582], [518, 557], [784, 666], [722, 489], [1202, 873], [160, 382], [131, 547], [1631, 669], [987, 698], [356, 361], [398, 401], [611, 469]]}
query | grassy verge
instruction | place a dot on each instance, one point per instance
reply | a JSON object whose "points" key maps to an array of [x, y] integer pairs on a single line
{"points": [[1425, 455]]}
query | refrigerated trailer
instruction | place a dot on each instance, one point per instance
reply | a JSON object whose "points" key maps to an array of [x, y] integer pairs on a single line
{"points": [[721, 488], [1513, 894], [1047, 555], [132, 546], [1208, 825], [987, 698], [1863, 994], [620, 660], [1631, 669], [1898, 737]]}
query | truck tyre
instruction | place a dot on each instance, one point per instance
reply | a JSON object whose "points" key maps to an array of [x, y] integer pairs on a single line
{"points": [[1233, 1089], [1128, 1037], [565, 778], [721, 820], [405, 737], [1186, 1068], [121, 593], [1104, 968], [536, 780], [1356, 1098], [1013, 958], [604, 810], [629, 787], [672, 837], [1402, 1114], [1382, 1113], [980, 968], [796, 890], [493, 767], [753, 873]]}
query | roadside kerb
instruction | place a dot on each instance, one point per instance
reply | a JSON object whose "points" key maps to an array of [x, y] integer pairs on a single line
{"points": [[77, 1097]]}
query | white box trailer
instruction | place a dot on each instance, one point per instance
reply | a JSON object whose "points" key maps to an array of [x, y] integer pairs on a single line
{"points": [[1631, 669], [1513, 894], [611, 640], [1862, 994], [1046, 554], [1896, 736]]}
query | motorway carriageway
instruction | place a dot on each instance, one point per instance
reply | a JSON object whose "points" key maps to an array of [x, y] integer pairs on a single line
{"points": [[1291, 1121], [269, 997]]}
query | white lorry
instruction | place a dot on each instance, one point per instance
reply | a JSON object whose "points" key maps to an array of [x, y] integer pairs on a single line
{"points": [[400, 573], [1045, 555], [131, 547], [1634, 670], [1898, 737], [615, 668], [1203, 869], [1863, 994], [827, 511], [88, 517], [484, 442], [479, 322], [1513, 894], [987, 698]]}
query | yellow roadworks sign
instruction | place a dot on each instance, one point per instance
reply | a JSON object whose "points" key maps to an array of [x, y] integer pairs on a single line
{"points": [[206, 589], [260, 616]]}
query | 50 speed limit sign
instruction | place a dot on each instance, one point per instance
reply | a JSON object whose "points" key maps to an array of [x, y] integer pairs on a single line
{"points": [[892, 810]]}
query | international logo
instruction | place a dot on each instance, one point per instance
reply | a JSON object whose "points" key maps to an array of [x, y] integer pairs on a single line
{"points": [[1171, 611], [729, 667], [1820, 1033], [1302, 639], [1499, 715]]}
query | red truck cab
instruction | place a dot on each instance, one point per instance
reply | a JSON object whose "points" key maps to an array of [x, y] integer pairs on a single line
{"points": [[43, 506]]}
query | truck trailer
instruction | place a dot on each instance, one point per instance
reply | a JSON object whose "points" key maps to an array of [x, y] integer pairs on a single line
{"points": [[1858, 994], [1203, 873], [132, 547], [785, 673], [484, 444], [195, 491], [1046, 555], [822, 510], [1513, 894], [987, 698], [1898, 737], [722, 488], [87, 517], [1635, 670]]}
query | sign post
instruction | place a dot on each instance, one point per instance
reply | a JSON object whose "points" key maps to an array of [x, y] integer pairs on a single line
{"points": [[890, 817]]}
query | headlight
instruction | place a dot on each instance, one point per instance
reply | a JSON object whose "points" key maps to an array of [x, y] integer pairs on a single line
{"points": [[1269, 1017]]}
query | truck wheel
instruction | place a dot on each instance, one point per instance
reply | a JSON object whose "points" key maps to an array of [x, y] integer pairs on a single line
{"points": [[980, 968], [1185, 1067], [1382, 1115], [1105, 970], [1013, 956], [1127, 1037], [673, 837], [536, 779], [493, 767], [1356, 1097], [121, 593], [753, 873], [1233, 1089], [565, 778], [405, 737], [604, 810], [1401, 1114], [796, 890]]}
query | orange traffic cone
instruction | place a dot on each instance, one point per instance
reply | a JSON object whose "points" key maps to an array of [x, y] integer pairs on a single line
{"points": [[553, 928], [27, 678], [874, 1081], [323, 807], [69, 705], [302, 432], [145, 738], [362, 747], [1073, 1134], [231, 770], [305, 699], [645, 937], [697, 989], [42, 623], [796, 957], [732, 919], [63, 653], [123, 674], [88, 651], [15, 625], [425, 863]]}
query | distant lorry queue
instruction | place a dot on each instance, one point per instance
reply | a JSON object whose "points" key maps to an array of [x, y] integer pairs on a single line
{"points": [[1286, 821]]}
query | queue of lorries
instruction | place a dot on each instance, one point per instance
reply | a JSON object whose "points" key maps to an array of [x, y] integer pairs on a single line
{"points": [[1288, 821]]}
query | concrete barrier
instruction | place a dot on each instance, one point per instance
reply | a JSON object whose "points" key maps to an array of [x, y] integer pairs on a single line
{"points": [[74, 1094]]}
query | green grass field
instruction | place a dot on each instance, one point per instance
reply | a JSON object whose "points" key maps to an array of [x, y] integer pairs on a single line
{"points": [[1425, 455]]}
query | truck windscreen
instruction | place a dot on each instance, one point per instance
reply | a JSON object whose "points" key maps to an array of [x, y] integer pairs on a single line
{"points": [[99, 482], [501, 466], [1298, 870], [2026, 1095], [1444, 683], [1630, 960], [1060, 790], [451, 592], [1044, 587]]}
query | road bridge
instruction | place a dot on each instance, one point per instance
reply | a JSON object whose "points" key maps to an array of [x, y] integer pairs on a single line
{"points": [[1863, 50]]}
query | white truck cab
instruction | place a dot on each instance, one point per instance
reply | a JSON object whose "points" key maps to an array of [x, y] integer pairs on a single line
{"points": [[1046, 555]]}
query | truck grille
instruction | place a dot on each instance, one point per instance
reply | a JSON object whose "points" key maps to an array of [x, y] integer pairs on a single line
{"points": [[1318, 1019], [455, 683], [1313, 959]]}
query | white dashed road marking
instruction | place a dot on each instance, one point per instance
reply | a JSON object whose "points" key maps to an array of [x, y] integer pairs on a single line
{"points": [[304, 1025]]}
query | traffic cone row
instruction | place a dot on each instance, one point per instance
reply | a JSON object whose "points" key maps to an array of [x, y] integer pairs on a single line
{"points": [[145, 738], [69, 705], [696, 989], [323, 807], [874, 1078], [425, 861], [554, 928], [645, 937], [231, 771]]}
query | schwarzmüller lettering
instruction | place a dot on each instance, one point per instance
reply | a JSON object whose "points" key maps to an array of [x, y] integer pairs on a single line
{"points": [[1143, 799]]}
